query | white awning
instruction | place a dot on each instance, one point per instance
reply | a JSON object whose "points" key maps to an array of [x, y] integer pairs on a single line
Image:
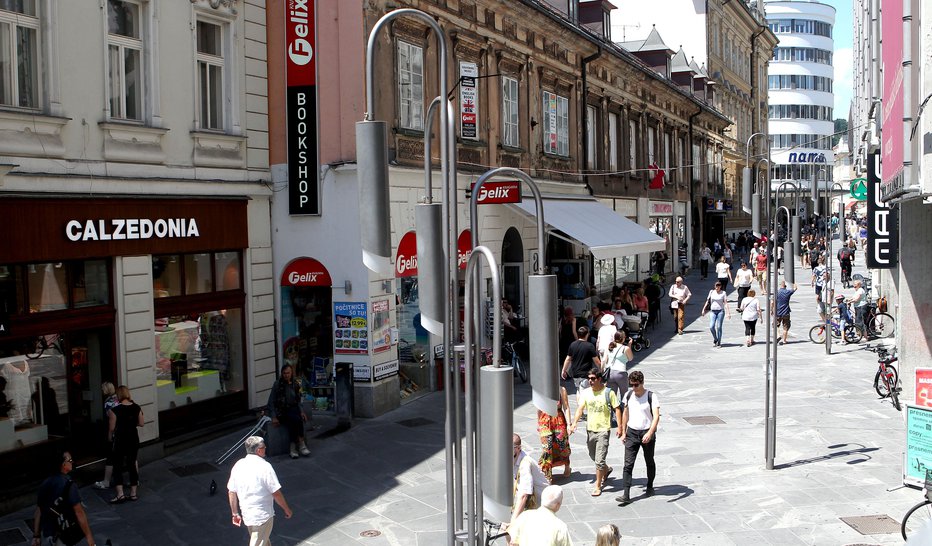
{"points": [[606, 233]]}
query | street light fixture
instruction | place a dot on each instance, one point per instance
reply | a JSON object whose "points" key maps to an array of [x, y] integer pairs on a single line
{"points": [[747, 176]]}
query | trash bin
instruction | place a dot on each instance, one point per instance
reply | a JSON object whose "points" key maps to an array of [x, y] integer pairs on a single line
{"points": [[343, 396]]}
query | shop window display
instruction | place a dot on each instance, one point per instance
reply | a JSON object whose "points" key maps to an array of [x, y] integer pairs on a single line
{"points": [[199, 356], [413, 342], [307, 319], [198, 274], [48, 287]]}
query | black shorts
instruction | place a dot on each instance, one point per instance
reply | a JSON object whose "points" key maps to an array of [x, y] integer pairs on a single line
{"points": [[818, 291]]}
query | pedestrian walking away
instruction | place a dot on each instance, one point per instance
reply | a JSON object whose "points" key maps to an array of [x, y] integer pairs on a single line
{"points": [[717, 305], [59, 500], [618, 358], [683, 255], [819, 274], [705, 258], [252, 489], [608, 535], [529, 481], [555, 438], [542, 527], [679, 295], [723, 273], [285, 409], [639, 423], [743, 278], [606, 334], [110, 402], [782, 306], [125, 418], [599, 403], [750, 311], [580, 358]]}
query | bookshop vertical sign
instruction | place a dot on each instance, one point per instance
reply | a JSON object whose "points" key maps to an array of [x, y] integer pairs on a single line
{"points": [[301, 111]]}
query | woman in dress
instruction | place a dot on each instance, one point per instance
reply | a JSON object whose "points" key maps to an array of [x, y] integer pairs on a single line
{"points": [[717, 304], [617, 358], [749, 308], [125, 418], [554, 438], [110, 402]]}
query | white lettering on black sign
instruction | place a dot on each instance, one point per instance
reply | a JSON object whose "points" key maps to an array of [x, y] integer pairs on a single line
{"points": [[122, 229], [882, 221]]}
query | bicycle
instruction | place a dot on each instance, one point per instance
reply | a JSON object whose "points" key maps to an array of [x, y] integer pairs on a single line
{"points": [[492, 531], [919, 516], [853, 334], [886, 380], [510, 348], [878, 325]]}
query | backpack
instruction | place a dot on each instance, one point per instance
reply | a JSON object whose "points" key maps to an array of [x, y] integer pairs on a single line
{"points": [[608, 402], [650, 399], [67, 529]]}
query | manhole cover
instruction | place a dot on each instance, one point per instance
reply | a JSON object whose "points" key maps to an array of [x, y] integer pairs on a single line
{"points": [[370, 533], [11, 536], [878, 524], [415, 422], [193, 469], [704, 420]]}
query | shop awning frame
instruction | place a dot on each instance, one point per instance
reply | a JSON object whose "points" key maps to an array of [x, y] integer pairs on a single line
{"points": [[606, 233]]}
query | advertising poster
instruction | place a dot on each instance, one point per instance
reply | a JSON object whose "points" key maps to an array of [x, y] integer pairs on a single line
{"points": [[892, 111], [918, 444], [350, 328], [301, 103], [381, 328], [924, 387], [469, 107]]}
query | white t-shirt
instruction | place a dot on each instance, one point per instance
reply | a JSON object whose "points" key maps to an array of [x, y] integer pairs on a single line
{"points": [[717, 300], [254, 481], [531, 480], [606, 335], [751, 308], [640, 414], [743, 277], [705, 254], [722, 269]]}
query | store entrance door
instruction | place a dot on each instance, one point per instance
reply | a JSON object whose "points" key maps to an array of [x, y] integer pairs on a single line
{"points": [[306, 322], [513, 270]]}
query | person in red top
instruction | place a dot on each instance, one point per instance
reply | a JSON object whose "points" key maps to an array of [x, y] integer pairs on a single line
{"points": [[760, 269]]}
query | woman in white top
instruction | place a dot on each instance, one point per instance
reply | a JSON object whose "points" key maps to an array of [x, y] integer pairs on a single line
{"points": [[723, 273], [705, 258], [750, 314], [743, 278], [618, 357], [717, 304]]}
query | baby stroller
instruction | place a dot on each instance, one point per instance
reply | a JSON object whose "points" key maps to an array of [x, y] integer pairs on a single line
{"points": [[634, 326]]}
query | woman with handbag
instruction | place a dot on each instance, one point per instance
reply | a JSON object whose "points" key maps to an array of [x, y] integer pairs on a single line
{"points": [[615, 364], [554, 438]]}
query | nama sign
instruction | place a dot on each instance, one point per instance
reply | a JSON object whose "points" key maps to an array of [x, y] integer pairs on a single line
{"points": [[502, 191]]}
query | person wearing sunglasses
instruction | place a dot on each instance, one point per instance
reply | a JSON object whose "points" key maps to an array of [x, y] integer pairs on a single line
{"points": [[59, 490], [599, 403], [639, 425]]}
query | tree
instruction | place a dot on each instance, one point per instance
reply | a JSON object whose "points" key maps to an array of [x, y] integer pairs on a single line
{"points": [[841, 129]]}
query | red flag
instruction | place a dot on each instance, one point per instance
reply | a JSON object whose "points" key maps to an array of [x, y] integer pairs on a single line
{"points": [[656, 179]]}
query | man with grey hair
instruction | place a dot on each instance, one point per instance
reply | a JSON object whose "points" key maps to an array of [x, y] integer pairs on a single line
{"points": [[252, 487], [542, 527]]}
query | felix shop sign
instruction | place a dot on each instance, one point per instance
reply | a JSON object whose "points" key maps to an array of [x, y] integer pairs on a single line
{"points": [[406, 256], [501, 191], [301, 106]]}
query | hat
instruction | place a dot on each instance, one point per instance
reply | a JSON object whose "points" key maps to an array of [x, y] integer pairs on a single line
{"points": [[607, 319]]}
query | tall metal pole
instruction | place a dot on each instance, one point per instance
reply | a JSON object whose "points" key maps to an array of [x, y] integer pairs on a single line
{"points": [[829, 285], [769, 375]]}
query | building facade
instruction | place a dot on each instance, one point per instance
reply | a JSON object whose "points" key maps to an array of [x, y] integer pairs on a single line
{"points": [[537, 86], [801, 98], [135, 205]]}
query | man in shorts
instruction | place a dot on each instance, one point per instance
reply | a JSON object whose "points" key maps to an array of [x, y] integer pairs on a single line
{"points": [[760, 269], [782, 305], [599, 402], [580, 358]]}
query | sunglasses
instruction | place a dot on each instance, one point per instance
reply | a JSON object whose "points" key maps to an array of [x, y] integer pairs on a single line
{"points": [[594, 378], [634, 384]]}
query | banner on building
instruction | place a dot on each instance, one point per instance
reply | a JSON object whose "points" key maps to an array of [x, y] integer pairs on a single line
{"points": [[301, 106], [469, 100], [883, 228], [918, 453], [350, 328], [891, 116]]}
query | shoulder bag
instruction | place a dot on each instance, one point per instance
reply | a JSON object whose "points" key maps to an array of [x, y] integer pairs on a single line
{"points": [[67, 529]]}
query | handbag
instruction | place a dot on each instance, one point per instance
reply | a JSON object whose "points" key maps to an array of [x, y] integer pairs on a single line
{"points": [[67, 529]]}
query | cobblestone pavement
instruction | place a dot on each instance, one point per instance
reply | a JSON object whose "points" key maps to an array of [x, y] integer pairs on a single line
{"points": [[839, 453]]}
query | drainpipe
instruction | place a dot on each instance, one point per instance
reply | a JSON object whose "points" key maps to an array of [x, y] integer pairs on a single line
{"points": [[692, 161], [585, 115], [755, 126]]}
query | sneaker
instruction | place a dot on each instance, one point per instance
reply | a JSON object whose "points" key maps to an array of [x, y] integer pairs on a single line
{"points": [[650, 491], [101, 485], [623, 500], [304, 451], [293, 451]]}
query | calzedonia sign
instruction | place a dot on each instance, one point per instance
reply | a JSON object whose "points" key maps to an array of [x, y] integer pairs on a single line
{"points": [[301, 101]]}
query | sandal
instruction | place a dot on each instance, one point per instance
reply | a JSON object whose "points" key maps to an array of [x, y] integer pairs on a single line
{"points": [[118, 500], [596, 492], [567, 472], [132, 498]]}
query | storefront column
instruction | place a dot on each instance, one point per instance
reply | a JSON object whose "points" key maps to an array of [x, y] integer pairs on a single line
{"points": [[643, 220]]}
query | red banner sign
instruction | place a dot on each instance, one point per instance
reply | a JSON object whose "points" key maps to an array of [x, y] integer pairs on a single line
{"points": [[924, 387], [500, 191], [463, 247], [406, 258], [306, 272]]}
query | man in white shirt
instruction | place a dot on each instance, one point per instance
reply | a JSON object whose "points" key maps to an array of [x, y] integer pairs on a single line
{"points": [[542, 527], [859, 302], [639, 425], [679, 295], [530, 481], [252, 488]]}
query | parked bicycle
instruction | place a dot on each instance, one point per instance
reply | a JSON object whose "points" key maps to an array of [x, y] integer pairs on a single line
{"points": [[493, 532], [886, 380], [877, 323], [920, 515], [510, 357]]}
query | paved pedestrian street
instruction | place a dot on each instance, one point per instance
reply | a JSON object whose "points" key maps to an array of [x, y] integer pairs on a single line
{"points": [[839, 454]]}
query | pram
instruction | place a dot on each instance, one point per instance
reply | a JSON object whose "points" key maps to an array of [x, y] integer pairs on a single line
{"points": [[634, 326]]}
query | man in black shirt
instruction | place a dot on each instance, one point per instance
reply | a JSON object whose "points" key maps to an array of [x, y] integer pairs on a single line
{"points": [[44, 519], [580, 358]]}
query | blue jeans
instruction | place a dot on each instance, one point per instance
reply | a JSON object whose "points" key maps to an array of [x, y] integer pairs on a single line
{"points": [[716, 318]]}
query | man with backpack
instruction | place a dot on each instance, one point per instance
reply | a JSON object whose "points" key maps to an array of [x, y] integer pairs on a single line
{"points": [[845, 257], [59, 515], [639, 430], [599, 403]]}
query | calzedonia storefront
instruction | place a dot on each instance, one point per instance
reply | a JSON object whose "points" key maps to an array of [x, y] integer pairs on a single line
{"points": [[143, 292]]}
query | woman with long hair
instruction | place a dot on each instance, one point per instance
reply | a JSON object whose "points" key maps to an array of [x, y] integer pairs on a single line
{"points": [[717, 304], [285, 409], [125, 418], [750, 314], [617, 358], [608, 535], [554, 438], [110, 402]]}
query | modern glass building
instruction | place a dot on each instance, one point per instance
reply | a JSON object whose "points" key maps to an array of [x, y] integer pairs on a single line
{"points": [[800, 92]]}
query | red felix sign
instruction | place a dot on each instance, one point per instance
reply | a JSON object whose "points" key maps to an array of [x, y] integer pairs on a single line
{"points": [[502, 191]]}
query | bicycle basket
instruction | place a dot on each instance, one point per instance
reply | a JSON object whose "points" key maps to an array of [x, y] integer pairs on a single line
{"points": [[882, 304]]}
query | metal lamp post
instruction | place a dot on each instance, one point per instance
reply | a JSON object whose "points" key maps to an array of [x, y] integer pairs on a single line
{"points": [[829, 285], [747, 176]]}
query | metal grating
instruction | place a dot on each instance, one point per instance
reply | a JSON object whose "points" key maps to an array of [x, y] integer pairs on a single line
{"points": [[370, 533], [415, 422], [193, 469], [704, 420], [11, 536], [878, 524]]}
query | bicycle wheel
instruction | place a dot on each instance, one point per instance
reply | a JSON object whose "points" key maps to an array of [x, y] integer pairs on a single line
{"points": [[853, 334], [916, 518], [883, 387], [519, 366], [817, 333], [895, 398], [882, 325]]}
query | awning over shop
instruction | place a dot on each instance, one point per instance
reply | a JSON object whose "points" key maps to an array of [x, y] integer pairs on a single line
{"points": [[607, 234]]}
